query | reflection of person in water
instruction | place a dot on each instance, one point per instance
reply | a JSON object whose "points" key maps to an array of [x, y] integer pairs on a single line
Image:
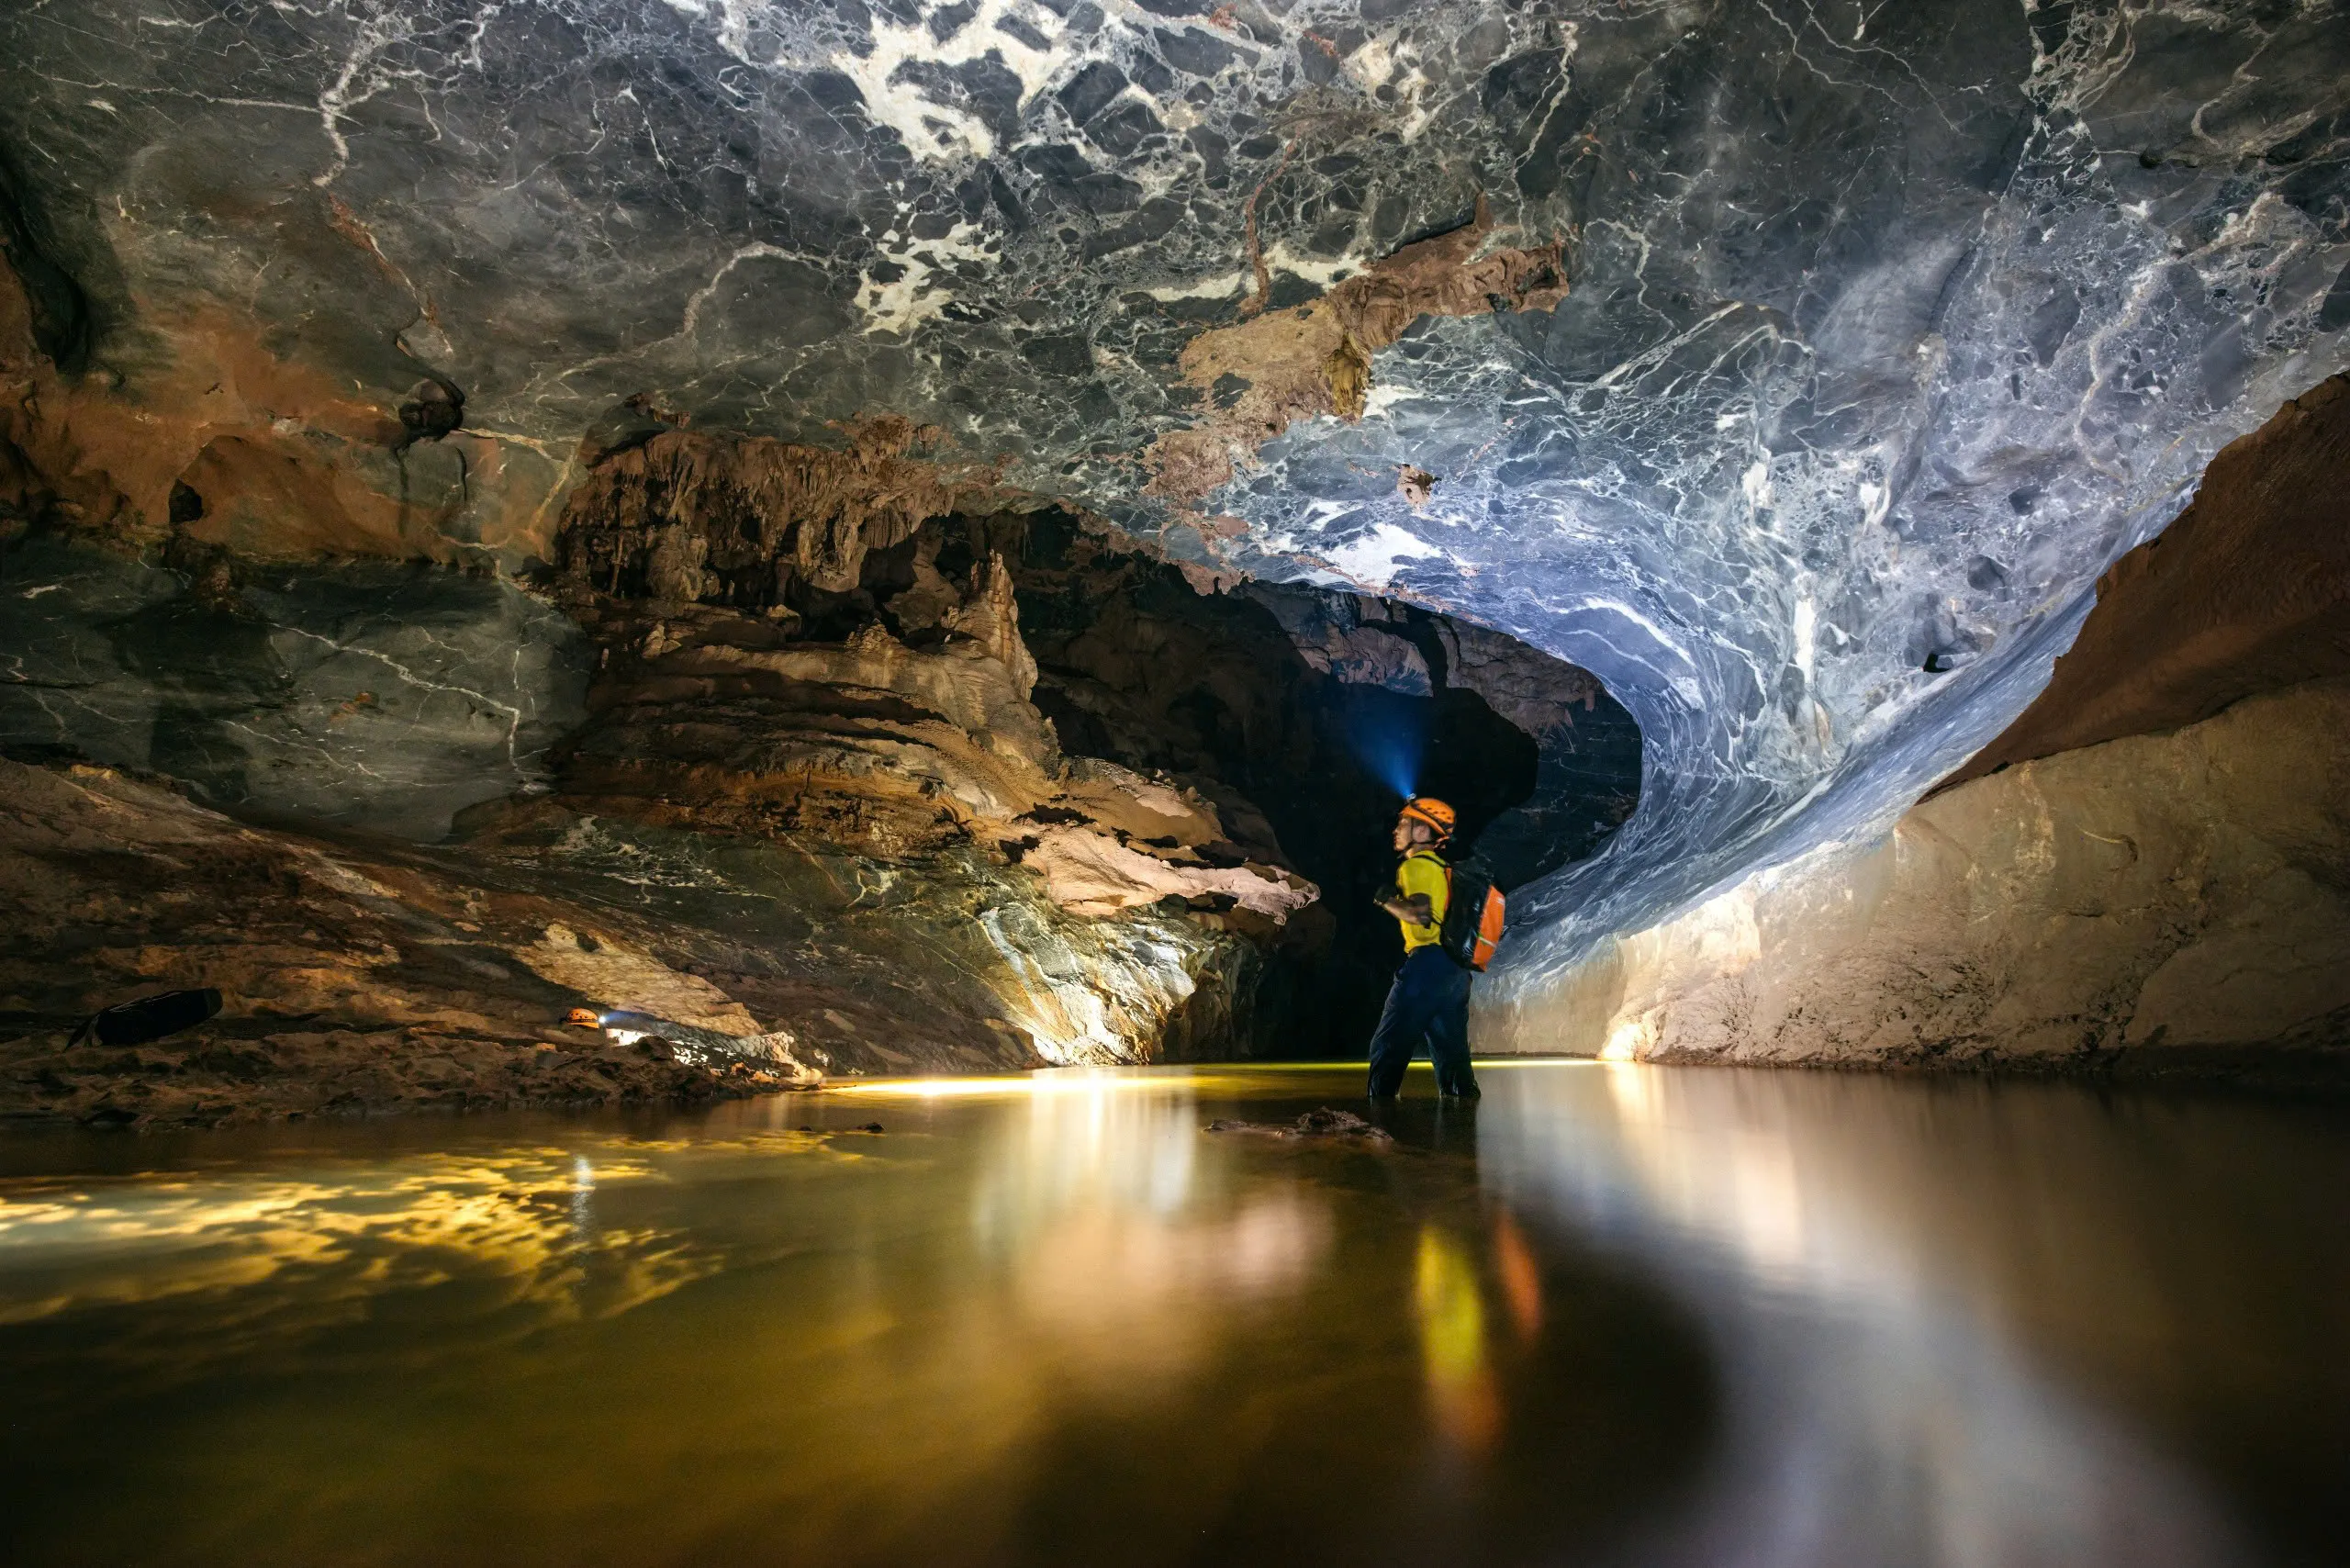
{"points": [[1430, 997]]}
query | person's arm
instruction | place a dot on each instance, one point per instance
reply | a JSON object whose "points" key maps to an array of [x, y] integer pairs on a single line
{"points": [[1419, 882], [1418, 910]]}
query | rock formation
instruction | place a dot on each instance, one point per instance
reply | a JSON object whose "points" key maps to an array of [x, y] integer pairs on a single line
{"points": [[404, 409], [844, 838], [2248, 592], [2144, 874], [359, 977], [1267, 373]]}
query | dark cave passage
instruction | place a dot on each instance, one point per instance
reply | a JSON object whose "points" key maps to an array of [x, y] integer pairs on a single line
{"points": [[1305, 714], [1314, 711]]}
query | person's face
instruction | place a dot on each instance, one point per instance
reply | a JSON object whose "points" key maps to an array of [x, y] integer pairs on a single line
{"points": [[1410, 831]]}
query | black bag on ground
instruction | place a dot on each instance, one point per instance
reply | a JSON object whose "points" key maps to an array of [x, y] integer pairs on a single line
{"points": [[148, 1018]]}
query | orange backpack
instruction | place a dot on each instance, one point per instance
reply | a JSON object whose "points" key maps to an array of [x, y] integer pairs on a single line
{"points": [[1474, 912]]}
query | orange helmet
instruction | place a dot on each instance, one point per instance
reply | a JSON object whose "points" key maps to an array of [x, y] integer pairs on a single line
{"points": [[1429, 810]]}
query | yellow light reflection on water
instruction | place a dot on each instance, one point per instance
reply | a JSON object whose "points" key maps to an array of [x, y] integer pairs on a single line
{"points": [[1051, 1081], [1451, 1311], [1225, 1078], [247, 1255]]}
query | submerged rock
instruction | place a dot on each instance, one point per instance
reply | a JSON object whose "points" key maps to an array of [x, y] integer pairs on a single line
{"points": [[1322, 1122]]}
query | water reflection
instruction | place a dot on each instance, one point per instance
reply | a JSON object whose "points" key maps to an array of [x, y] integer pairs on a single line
{"points": [[234, 1261], [1902, 1279], [1451, 1313], [1120, 1246], [1616, 1315]]}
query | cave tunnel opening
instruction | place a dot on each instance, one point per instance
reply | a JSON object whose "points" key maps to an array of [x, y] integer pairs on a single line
{"points": [[1314, 709]]}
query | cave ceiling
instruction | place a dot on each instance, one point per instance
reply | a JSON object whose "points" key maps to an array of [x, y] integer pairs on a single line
{"points": [[1796, 367]]}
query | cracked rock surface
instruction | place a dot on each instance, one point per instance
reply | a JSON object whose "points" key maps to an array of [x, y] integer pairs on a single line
{"points": [[370, 694]]}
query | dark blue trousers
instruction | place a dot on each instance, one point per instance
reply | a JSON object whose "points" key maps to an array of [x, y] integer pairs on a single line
{"points": [[1429, 999]]}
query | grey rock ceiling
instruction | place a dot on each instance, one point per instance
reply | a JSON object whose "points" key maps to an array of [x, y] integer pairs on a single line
{"points": [[1890, 324]]}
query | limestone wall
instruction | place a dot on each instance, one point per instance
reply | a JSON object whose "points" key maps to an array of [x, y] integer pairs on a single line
{"points": [[2157, 903]]}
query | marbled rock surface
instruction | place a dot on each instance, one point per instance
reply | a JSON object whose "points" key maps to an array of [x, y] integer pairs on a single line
{"points": [[2248, 592], [372, 694], [1827, 355], [2120, 881]]}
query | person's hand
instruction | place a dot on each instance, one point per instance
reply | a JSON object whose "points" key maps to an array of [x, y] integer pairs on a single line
{"points": [[1413, 911]]}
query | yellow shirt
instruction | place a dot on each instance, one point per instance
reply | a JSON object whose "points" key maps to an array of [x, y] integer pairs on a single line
{"points": [[1422, 872]]}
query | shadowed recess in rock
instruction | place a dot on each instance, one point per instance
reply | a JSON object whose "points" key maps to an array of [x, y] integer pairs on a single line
{"points": [[1018, 686]]}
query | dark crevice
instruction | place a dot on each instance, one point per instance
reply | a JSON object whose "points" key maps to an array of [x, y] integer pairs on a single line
{"points": [[62, 323], [1220, 690]]}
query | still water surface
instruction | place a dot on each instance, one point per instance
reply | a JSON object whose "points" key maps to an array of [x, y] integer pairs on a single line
{"points": [[1612, 1314]]}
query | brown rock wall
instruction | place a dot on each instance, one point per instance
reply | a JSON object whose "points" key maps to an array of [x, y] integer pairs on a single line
{"points": [[1316, 359], [686, 515], [287, 462], [355, 979]]}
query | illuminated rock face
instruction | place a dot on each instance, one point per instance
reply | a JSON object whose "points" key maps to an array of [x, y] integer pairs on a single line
{"points": [[2142, 874], [2154, 904], [1825, 356]]}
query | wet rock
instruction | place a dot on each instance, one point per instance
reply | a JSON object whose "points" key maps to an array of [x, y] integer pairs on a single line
{"points": [[1323, 1122], [345, 970], [1094, 874], [768, 1051]]}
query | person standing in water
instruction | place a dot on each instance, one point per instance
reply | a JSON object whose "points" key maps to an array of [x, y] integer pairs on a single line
{"points": [[1430, 997]]}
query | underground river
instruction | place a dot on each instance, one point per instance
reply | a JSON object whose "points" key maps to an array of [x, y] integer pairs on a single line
{"points": [[1612, 1314]]}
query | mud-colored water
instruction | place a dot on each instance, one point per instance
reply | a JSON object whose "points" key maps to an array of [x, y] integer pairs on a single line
{"points": [[1609, 1314]]}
